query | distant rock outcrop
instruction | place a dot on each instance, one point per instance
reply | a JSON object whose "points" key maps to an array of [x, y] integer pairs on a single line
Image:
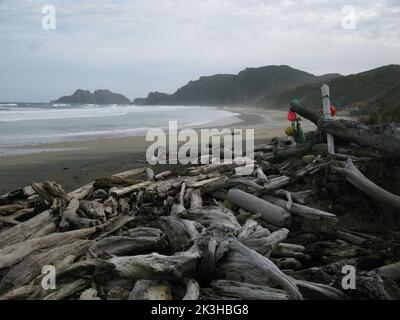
{"points": [[98, 97], [223, 89]]}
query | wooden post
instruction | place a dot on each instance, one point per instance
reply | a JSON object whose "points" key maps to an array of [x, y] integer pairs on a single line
{"points": [[326, 103]]}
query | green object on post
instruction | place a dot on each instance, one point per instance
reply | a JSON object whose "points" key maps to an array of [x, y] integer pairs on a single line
{"points": [[300, 138]]}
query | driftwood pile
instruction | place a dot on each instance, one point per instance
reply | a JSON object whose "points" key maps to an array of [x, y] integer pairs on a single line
{"points": [[199, 232]]}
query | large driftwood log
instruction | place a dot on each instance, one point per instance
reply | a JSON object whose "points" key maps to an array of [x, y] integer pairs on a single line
{"points": [[384, 138], [113, 225], [260, 239], [14, 253], [246, 265], [69, 217], [221, 218], [254, 236], [138, 241], [25, 229], [155, 266], [180, 233], [369, 286], [82, 192], [247, 291], [281, 155], [86, 190], [11, 208], [68, 289], [361, 182], [269, 212], [318, 291], [300, 210], [119, 192], [50, 191], [391, 271], [29, 268], [93, 210]]}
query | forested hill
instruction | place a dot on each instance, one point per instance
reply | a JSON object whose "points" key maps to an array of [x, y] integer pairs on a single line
{"points": [[228, 89], [364, 93]]}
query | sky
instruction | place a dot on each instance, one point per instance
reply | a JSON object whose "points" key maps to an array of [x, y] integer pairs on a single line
{"points": [[134, 47]]}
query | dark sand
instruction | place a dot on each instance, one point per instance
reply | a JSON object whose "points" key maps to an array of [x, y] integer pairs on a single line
{"points": [[81, 162]]}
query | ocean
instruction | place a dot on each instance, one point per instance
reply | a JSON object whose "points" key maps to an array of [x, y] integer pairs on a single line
{"points": [[25, 124]]}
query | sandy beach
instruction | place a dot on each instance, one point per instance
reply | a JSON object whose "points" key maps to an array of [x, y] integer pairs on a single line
{"points": [[73, 164]]}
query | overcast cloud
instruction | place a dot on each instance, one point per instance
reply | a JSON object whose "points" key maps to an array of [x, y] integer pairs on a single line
{"points": [[137, 46]]}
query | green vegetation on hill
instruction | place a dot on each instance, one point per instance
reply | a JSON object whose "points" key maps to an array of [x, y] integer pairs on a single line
{"points": [[243, 88], [362, 93], [374, 93], [386, 115]]}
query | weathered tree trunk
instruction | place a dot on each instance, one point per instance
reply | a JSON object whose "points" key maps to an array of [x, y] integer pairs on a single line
{"points": [[119, 192], [180, 233], [93, 210], [29, 268], [68, 289], [318, 291], [357, 179], [269, 212], [247, 291], [382, 138], [213, 216], [304, 211], [244, 264], [391, 271], [157, 267], [25, 229], [139, 241], [14, 253]]}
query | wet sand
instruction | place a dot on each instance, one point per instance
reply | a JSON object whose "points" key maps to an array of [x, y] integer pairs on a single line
{"points": [[73, 164]]}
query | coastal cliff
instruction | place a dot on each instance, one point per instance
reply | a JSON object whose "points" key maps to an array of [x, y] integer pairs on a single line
{"points": [[98, 97]]}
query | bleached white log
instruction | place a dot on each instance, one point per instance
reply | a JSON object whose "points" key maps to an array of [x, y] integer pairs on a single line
{"points": [[221, 218], [155, 266], [246, 265], [247, 291], [300, 210], [271, 213], [14, 253], [119, 192], [25, 229]]}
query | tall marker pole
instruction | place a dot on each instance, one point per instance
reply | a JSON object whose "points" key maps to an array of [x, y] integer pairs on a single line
{"points": [[326, 103]]}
